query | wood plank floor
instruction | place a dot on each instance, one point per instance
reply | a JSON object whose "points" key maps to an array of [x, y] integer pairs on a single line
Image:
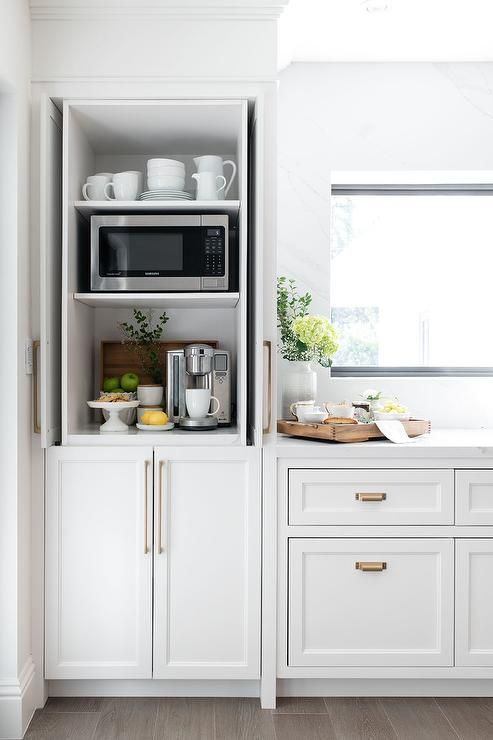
{"points": [[242, 719]]}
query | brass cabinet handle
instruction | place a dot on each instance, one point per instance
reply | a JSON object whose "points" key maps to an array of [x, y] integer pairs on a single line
{"points": [[268, 346], [370, 496], [160, 510], [36, 425], [371, 567], [146, 542]]}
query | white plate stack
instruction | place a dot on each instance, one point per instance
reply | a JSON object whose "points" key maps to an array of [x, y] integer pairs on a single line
{"points": [[165, 180]]}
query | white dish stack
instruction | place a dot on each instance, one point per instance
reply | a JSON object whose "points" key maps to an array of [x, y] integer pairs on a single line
{"points": [[165, 180]]}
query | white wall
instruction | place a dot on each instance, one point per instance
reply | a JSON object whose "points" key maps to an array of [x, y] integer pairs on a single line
{"points": [[377, 117], [15, 439]]}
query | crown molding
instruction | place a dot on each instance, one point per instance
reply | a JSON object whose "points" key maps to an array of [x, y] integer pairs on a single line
{"points": [[69, 10]]}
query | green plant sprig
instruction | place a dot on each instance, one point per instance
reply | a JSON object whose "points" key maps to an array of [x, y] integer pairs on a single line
{"points": [[144, 339]]}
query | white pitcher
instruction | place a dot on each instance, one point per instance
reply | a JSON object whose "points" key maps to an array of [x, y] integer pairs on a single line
{"points": [[213, 163], [209, 185]]}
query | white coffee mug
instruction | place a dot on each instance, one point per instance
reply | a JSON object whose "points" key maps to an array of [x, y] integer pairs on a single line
{"points": [[93, 188], [209, 185], [125, 186], [198, 401]]}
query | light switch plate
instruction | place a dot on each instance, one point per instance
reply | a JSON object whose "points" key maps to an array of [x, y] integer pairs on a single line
{"points": [[28, 356]]}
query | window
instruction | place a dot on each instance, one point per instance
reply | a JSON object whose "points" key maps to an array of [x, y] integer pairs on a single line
{"points": [[411, 279]]}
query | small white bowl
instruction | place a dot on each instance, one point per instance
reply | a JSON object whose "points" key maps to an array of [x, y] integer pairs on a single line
{"points": [[382, 416], [162, 162], [315, 417], [165, 182], [150, 395], [166, 169]]}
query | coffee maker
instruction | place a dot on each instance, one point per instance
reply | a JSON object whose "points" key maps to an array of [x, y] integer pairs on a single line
{"points": [[198, 366]]}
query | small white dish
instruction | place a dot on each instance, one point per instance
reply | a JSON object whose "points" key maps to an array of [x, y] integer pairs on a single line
{"points": [[382, 416], [155, 427], [315, 417]]}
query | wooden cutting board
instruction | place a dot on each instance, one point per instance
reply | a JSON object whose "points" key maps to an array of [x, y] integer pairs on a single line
{"points": [[118, 358], [347, 432]]}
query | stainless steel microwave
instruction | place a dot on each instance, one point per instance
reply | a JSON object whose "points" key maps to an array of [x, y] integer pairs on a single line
{"points": [[150, 253]]}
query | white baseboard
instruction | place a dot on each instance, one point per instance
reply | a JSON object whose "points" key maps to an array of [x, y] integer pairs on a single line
{"points": [[181, 687], [17, 703], [384, 687]]}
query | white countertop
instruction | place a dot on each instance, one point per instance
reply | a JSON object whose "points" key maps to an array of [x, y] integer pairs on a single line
{"points": [[441, 443]]}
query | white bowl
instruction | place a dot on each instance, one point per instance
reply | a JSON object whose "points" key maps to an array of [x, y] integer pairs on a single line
{"points": [[166, 169], [315, 417], [161, 162], [382, 416], [150, 395], [155, 427], [165, 182]]}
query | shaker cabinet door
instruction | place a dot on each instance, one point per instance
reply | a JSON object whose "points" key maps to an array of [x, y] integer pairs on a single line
{"points": [[207, 563], [474, 602], [370, 602], [99, 563]]}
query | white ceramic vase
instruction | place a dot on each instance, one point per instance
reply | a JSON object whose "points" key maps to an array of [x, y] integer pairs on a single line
{"points": [[300, 384]]}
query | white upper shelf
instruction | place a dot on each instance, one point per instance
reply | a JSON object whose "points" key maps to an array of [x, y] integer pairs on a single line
{"points": [[91, 207], [159, 300]]}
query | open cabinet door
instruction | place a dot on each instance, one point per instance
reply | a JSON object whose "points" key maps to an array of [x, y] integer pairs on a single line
{"points": [[262, 267], [50, 255]]}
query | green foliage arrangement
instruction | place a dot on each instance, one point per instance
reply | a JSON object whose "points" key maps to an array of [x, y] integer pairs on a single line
{"points": [[144, 336], [303, 337]]}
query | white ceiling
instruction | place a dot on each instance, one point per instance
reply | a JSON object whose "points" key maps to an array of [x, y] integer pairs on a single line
{"points": [[408, 30]]}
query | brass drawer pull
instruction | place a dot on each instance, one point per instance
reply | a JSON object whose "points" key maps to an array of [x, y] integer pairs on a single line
{"points": [[371, 567], [370, 496], [146, 541]]}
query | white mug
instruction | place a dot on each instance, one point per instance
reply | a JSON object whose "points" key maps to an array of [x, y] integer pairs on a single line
{"points": [[213, 163], [198, 401], [93, 188], [341, 410], [209, 185], [125, 186]]}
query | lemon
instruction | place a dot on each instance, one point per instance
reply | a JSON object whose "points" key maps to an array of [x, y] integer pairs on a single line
{"points": [[156, 418]]}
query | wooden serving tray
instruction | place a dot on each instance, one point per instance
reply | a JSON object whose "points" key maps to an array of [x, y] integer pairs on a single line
{"points": [[347, 432]]}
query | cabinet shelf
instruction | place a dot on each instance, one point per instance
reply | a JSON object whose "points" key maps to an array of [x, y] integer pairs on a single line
{"points": [[158, 300], [92, 207], [90, 435]]}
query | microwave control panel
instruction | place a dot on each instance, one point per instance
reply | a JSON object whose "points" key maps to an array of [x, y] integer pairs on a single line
{"points": [[214, 251]]}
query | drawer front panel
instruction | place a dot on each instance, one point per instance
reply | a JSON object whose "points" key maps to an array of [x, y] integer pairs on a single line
{"points": [[370, 497], [474, 497], [370, 602]]}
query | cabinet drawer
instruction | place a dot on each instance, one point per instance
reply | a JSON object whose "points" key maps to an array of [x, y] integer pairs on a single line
{"points": [[474, 497], [397, 613], [331, 497]]}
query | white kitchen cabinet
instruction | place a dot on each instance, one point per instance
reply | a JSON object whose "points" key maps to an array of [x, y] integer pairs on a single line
{"points": [[370, 602], [99, 563], [207, 563], [474, 602]]}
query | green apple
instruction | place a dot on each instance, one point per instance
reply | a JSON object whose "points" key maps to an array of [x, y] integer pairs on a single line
{"points": [[129, 382], [111, 384], [117, 390]]}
